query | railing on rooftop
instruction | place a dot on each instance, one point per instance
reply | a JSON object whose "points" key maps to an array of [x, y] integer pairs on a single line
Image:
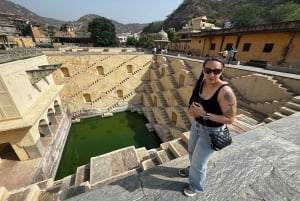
{"points": [[18, 54]]}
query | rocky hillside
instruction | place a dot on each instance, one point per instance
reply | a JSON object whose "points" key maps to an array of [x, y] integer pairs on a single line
{"points": [[217, 11], [7, 6]]}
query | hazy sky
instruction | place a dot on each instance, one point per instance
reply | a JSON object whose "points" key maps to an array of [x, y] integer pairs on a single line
{"points": [[123, 11]]}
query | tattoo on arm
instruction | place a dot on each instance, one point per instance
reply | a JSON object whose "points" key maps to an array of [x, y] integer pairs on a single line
{"points": [[229, 98]]}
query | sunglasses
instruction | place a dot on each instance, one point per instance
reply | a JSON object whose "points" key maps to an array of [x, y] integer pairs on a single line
{"points": [[215, 71]]}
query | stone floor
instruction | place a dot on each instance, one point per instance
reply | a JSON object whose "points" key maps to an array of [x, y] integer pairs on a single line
{"points": [[15, 174]]}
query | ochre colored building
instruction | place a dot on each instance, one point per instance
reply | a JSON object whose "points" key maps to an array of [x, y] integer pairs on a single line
{"points": [[275, 44]]}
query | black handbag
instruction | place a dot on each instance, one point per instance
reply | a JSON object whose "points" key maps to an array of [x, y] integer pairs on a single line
{"points": [[220, 139]]}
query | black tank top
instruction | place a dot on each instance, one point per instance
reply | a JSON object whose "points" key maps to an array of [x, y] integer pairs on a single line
{"points": [[210, 106]]}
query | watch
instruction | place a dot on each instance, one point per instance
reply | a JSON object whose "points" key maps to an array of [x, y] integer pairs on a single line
{"points": [[206, 116]]}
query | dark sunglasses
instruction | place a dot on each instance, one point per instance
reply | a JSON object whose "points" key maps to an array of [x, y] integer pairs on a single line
{"points": [[215, 71]]}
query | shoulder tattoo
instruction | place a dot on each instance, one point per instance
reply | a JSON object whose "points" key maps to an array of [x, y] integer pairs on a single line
{"points": [[228, 96]]}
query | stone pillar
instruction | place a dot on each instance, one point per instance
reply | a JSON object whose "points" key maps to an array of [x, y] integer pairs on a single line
{"points": [[36, 150], [20, 152]]}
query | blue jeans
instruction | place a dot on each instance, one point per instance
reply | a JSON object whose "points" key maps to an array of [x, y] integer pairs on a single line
{"points": [[199, 152]]}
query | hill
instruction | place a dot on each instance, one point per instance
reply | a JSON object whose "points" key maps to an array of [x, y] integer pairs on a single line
{"points": [[7, 6], [217, 11]]}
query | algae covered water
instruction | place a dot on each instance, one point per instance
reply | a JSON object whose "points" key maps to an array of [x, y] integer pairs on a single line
{"points": [[96, 136]]}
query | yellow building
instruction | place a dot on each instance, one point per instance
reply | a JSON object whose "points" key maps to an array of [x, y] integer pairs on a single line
{"points": [[267, 44]]}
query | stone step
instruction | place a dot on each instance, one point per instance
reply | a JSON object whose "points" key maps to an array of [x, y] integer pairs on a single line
{"points": [[178, 147], [59, 189], [111, 164], [269, 120], [287, 111], [115, 178], [293, 106], [142, 154], [296, 99], [278, 115], [149, 163], [82, 174], [30, 193], [76, 190], [45, 184], [185, 137], [164, 156]]}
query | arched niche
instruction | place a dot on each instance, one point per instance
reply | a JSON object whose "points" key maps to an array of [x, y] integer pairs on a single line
{"points": [[155, 101], [100, 70], [129, 68], [65, 72], [87, 98], [51, 116], [174, 118], [181, 80], [163, 71], [120, 93], [57, 107], [44, 129]]}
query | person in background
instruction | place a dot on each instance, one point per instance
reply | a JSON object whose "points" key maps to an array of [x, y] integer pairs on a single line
{"points": [[232, 53], [212, 105]]}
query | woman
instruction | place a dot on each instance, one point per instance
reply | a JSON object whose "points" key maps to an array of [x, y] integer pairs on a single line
{"points": [[212, 104]]}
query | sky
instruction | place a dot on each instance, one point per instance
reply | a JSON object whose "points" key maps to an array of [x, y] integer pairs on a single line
{"points": [[122, 11]]}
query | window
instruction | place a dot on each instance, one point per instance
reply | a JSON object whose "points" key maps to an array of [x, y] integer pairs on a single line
{"points": [[213, 46], [229, 46], [268, 47], [246, 47]]}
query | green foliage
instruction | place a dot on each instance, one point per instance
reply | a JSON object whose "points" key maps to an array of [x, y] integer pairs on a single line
{"points": [[247, 15], [132, 42], [146, 41], [172, 35], [288, 11], [103, 32], [153, 27], [23, 28]]}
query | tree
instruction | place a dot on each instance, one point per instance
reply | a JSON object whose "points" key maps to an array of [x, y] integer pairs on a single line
{"points": [[132, 41], [103, 32], [247, 15], [23, 28], [172, 35], [153, 27], [147, 40], [288, 11]]}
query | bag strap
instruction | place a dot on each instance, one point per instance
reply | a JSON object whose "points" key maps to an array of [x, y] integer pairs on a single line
{"points": [[200, 91]]}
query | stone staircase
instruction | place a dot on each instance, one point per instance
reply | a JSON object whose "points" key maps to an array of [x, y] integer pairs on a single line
{"points": [[291, 107], [101, 170]]}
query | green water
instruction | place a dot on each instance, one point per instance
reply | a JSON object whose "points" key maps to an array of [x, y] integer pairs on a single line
{"points": [[96, 136]]}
